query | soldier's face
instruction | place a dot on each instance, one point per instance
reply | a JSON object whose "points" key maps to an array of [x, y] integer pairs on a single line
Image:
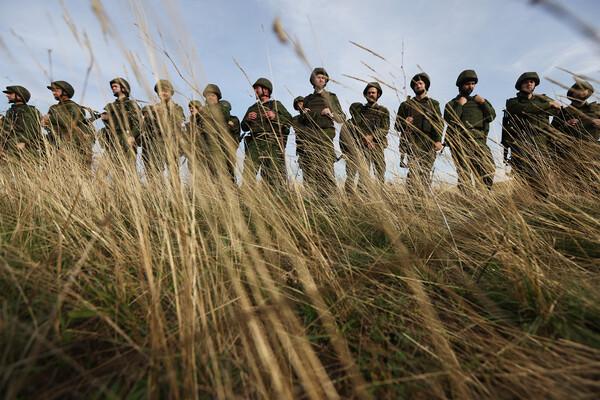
{"points": [[372, 95], [261, 92], [320, 81], [193, 110], [467, 88], [528, 86], [116, 89], [580, 95], [165, 95], [57, 92], [11, 97], [211, 98], [300, 105], [419, 86]]}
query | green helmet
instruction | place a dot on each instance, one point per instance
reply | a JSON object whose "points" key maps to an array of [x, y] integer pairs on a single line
{"points": [[65, 86], [264, 82], [164, 84], [580, 84], [19, 91], [212, 88], [296, 101], [421, 76], [527, 75], [195, 103], [123, 83], [318, 71], [468, 75], [375, 85], [225, 105]]}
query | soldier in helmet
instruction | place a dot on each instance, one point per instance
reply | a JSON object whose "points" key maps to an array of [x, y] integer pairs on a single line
{"points": [[267, 122], [315, 142], [66, 122], [233, 123], [364, 137], [20, 129], [526, 130], [215, 145], [420, 124], [469, 119], [162, 128], [579, 127], [122, 120]]}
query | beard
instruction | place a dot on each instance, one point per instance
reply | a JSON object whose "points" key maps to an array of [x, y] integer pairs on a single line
{"points": [[419, 92], [466, 92]]}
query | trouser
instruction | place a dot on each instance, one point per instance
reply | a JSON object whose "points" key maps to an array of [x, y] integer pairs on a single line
{"points": [[530, 164], [316, 156], [267, 155], [472, 157], [420, 165], [359, 159]]}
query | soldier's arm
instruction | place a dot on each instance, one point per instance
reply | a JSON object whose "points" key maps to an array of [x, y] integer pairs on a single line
{"points": [[283, 115], [400, 124], [384, 124], [453, 112], [135, 121], [437, 122], [489, 114], [338, 114], [245, 121]]}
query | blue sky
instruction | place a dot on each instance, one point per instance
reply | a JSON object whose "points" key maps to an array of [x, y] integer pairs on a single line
{"points": [[498, 39]]}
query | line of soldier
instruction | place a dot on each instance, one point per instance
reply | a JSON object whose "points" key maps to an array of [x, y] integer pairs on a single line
{"points": [[212, 135]]}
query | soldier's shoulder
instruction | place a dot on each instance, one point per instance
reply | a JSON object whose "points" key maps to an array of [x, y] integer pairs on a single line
{"points": [[541, 98], [434, 101]]}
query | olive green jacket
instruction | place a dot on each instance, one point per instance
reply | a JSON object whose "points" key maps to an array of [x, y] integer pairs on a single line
{"points": [[584, 113], [21, 125], [470, 120], [68, 124], [314, 103], [527, 120], [124, 120], [262, 126], [427, 125], [162, 120]]}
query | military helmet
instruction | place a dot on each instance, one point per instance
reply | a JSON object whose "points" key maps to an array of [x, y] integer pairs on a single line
{"points": [[164, 84], [421, 76], [225, 105], [296, 101], [123, 83], [19, 91], [264, 82], [212, 88], [468, 75], [527, 75], [318, 71], [580, 84], [375, 85], [65, 86], [195, 103]]}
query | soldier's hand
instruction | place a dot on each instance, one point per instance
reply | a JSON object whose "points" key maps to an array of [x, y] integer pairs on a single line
{"points": [[20, 145], [438, 146], [479, 100], [462, 100], [230, 123], [270, 114], [573, 122], [252, 116], [104, 116], [327, 112], [410, 120], [45, 120], [555, 104], [130, 141], [596, 122], [305, 110]]}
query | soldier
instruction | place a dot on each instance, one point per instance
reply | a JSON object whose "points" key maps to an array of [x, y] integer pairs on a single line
{"points": [[162, 128], [469, 119], [235, 128], [66, 122], [419, 121], [526, 129], [122, 120], [215, 144], [364, 137], [20, 129], [315, 142], [268, 122], [579, 124]]}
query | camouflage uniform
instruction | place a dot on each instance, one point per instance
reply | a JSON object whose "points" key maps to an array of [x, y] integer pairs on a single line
{"points": [[124, 121], [468, 128], [265, 146], [578, 144], [417, 138], [213, 143], [314, 142], [525, 130], [21, 125], [161, 131], [68, 125], [369, 119]]}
